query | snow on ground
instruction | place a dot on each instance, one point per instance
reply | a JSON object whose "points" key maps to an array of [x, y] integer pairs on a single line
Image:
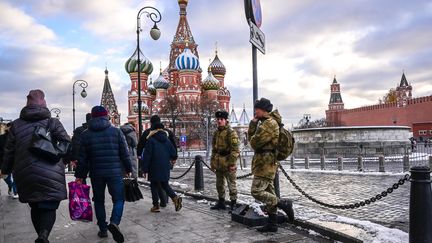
{"points": [[360, 229], [336, 172], [180, 185]]}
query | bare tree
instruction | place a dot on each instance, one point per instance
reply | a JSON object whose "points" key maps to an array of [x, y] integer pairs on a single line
{"points": [[303, 123], [172, 109]]}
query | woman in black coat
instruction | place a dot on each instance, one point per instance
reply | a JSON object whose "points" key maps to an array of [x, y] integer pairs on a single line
{"points": [[40, 183], [157, 156]]}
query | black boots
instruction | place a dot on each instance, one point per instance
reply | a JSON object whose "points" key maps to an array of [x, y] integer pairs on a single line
{"points": [[43, 237], [233, 205], [271, 225], [286, 206], [219, 205]]}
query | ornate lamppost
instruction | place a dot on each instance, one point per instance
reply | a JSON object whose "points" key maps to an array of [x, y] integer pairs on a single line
{"points": [[56, 111], [83, 84], [154, 15]]}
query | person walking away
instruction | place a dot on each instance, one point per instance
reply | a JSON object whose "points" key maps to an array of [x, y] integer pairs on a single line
{"points": [[157, 161], [141, 144], [263, 136], [12, 190], [225, 152], [76, 140], [40, 183], [132, 142], [104, 156]]}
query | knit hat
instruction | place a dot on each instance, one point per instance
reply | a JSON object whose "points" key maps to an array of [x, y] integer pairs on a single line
{"points": [[263, 104], [98, 111], [36, 97], [157, 125], [222, 114], [155, 119]]}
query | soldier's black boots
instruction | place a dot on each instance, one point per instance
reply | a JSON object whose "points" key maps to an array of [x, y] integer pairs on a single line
{"points": [[286, 206], [219, 205], [233, 205], [271, 225]]}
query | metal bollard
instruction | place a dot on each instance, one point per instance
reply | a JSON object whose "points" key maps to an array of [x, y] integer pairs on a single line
{"points": [[199, 173], [276, 184], [292, 162], [381, 160], [406, 163], [360, 163], [430, 161], [340, 163], [420, 218], [306, 162], [322, 162]]}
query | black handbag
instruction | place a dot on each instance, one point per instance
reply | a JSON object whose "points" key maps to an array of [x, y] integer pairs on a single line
{"points": [[132, 191], [42, 145]]}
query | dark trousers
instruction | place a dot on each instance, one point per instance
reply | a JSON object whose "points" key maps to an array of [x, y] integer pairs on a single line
{"points": [[156, 185], [43, 216], [162, 196], [116, 190]]}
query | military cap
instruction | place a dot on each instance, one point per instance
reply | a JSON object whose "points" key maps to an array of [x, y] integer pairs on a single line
{"points": [[221, 114]]}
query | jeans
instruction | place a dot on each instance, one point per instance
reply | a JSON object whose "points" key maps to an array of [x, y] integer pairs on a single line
{"points": [[11, 183], [155, 185], [116, 190]]}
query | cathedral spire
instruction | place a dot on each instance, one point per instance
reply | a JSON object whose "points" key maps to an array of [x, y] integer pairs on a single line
{"points": [[108, 101], [182, 36]]}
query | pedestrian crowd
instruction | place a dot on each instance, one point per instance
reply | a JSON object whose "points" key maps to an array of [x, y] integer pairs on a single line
{"points": [[104, 155]]}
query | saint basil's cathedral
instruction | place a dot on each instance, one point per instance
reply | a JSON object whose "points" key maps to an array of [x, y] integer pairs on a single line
{"points": [[182, 78]]}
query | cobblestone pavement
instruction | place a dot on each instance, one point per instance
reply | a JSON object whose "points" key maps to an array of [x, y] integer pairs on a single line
{"points": [[333, 188], [194, 223]]}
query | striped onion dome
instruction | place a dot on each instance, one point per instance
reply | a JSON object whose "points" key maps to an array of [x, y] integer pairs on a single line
{"points": [[210, 82], [144, 108], [151, 89], [161, 82], [187, 61], [217, 66], [131, 64]]}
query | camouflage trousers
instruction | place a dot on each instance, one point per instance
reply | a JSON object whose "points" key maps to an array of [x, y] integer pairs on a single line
{"points": [[230, 178], [263, 190]]}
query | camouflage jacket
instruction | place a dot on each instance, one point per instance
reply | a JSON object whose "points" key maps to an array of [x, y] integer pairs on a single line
{"points": [[263, 137], [225, 149]]}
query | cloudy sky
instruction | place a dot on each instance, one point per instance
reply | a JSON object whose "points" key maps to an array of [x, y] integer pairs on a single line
{"points": [[48, 44]]}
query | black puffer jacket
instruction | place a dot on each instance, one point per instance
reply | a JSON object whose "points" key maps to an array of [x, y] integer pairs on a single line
{"points": [[37, 180], [103, 152]]}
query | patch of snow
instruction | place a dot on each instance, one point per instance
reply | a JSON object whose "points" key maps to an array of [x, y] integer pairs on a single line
{"points": [[336, 172], [203, 201]]}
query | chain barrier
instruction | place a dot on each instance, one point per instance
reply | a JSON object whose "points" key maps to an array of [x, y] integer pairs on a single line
{"points": [[187, 171], [238, 177], [352, 205]]}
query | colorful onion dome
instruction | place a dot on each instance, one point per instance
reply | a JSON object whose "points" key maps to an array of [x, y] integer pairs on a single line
{"points": [[131, 64], [144, 108], [217, 66], [187, 60], [161, 82], [210, 82], [151, 89], [183, 1]]}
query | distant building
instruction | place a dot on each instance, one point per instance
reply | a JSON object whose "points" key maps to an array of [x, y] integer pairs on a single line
{"points": [[405, 111], [181, 79], [108, 101], [422, 130]]}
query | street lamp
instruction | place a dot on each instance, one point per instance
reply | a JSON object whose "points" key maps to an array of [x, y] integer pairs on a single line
{"points": [[83, 84], [56, 111], [154, 15]]}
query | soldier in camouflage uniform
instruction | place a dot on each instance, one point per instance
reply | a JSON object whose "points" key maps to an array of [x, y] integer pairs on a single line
{"points": [[225, 152], [263, 136]]}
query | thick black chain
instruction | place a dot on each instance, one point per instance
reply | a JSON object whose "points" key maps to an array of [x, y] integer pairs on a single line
{"points": [[238, 177], [352, 205], [187, 171]]}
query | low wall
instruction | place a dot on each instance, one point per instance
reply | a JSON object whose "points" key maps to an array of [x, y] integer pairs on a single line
{"points": [[351, 141]]}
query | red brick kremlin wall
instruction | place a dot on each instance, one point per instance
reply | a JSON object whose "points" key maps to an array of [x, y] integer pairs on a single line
{"points": [[416, 110]]}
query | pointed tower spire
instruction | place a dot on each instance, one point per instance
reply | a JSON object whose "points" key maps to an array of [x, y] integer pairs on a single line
{"points": [[233, 117], [244, 118], [404, 81], [108, 101], [182, 36]]}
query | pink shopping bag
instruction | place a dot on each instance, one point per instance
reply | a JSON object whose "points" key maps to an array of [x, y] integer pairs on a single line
{"points": [[79, 202]]}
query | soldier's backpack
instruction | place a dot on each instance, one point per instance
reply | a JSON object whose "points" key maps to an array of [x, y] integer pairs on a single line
{"points": [[285, 145]]}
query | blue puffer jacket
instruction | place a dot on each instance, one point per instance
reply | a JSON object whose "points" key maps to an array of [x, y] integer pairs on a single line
{"points": [[157, 156], [103, 151]]}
